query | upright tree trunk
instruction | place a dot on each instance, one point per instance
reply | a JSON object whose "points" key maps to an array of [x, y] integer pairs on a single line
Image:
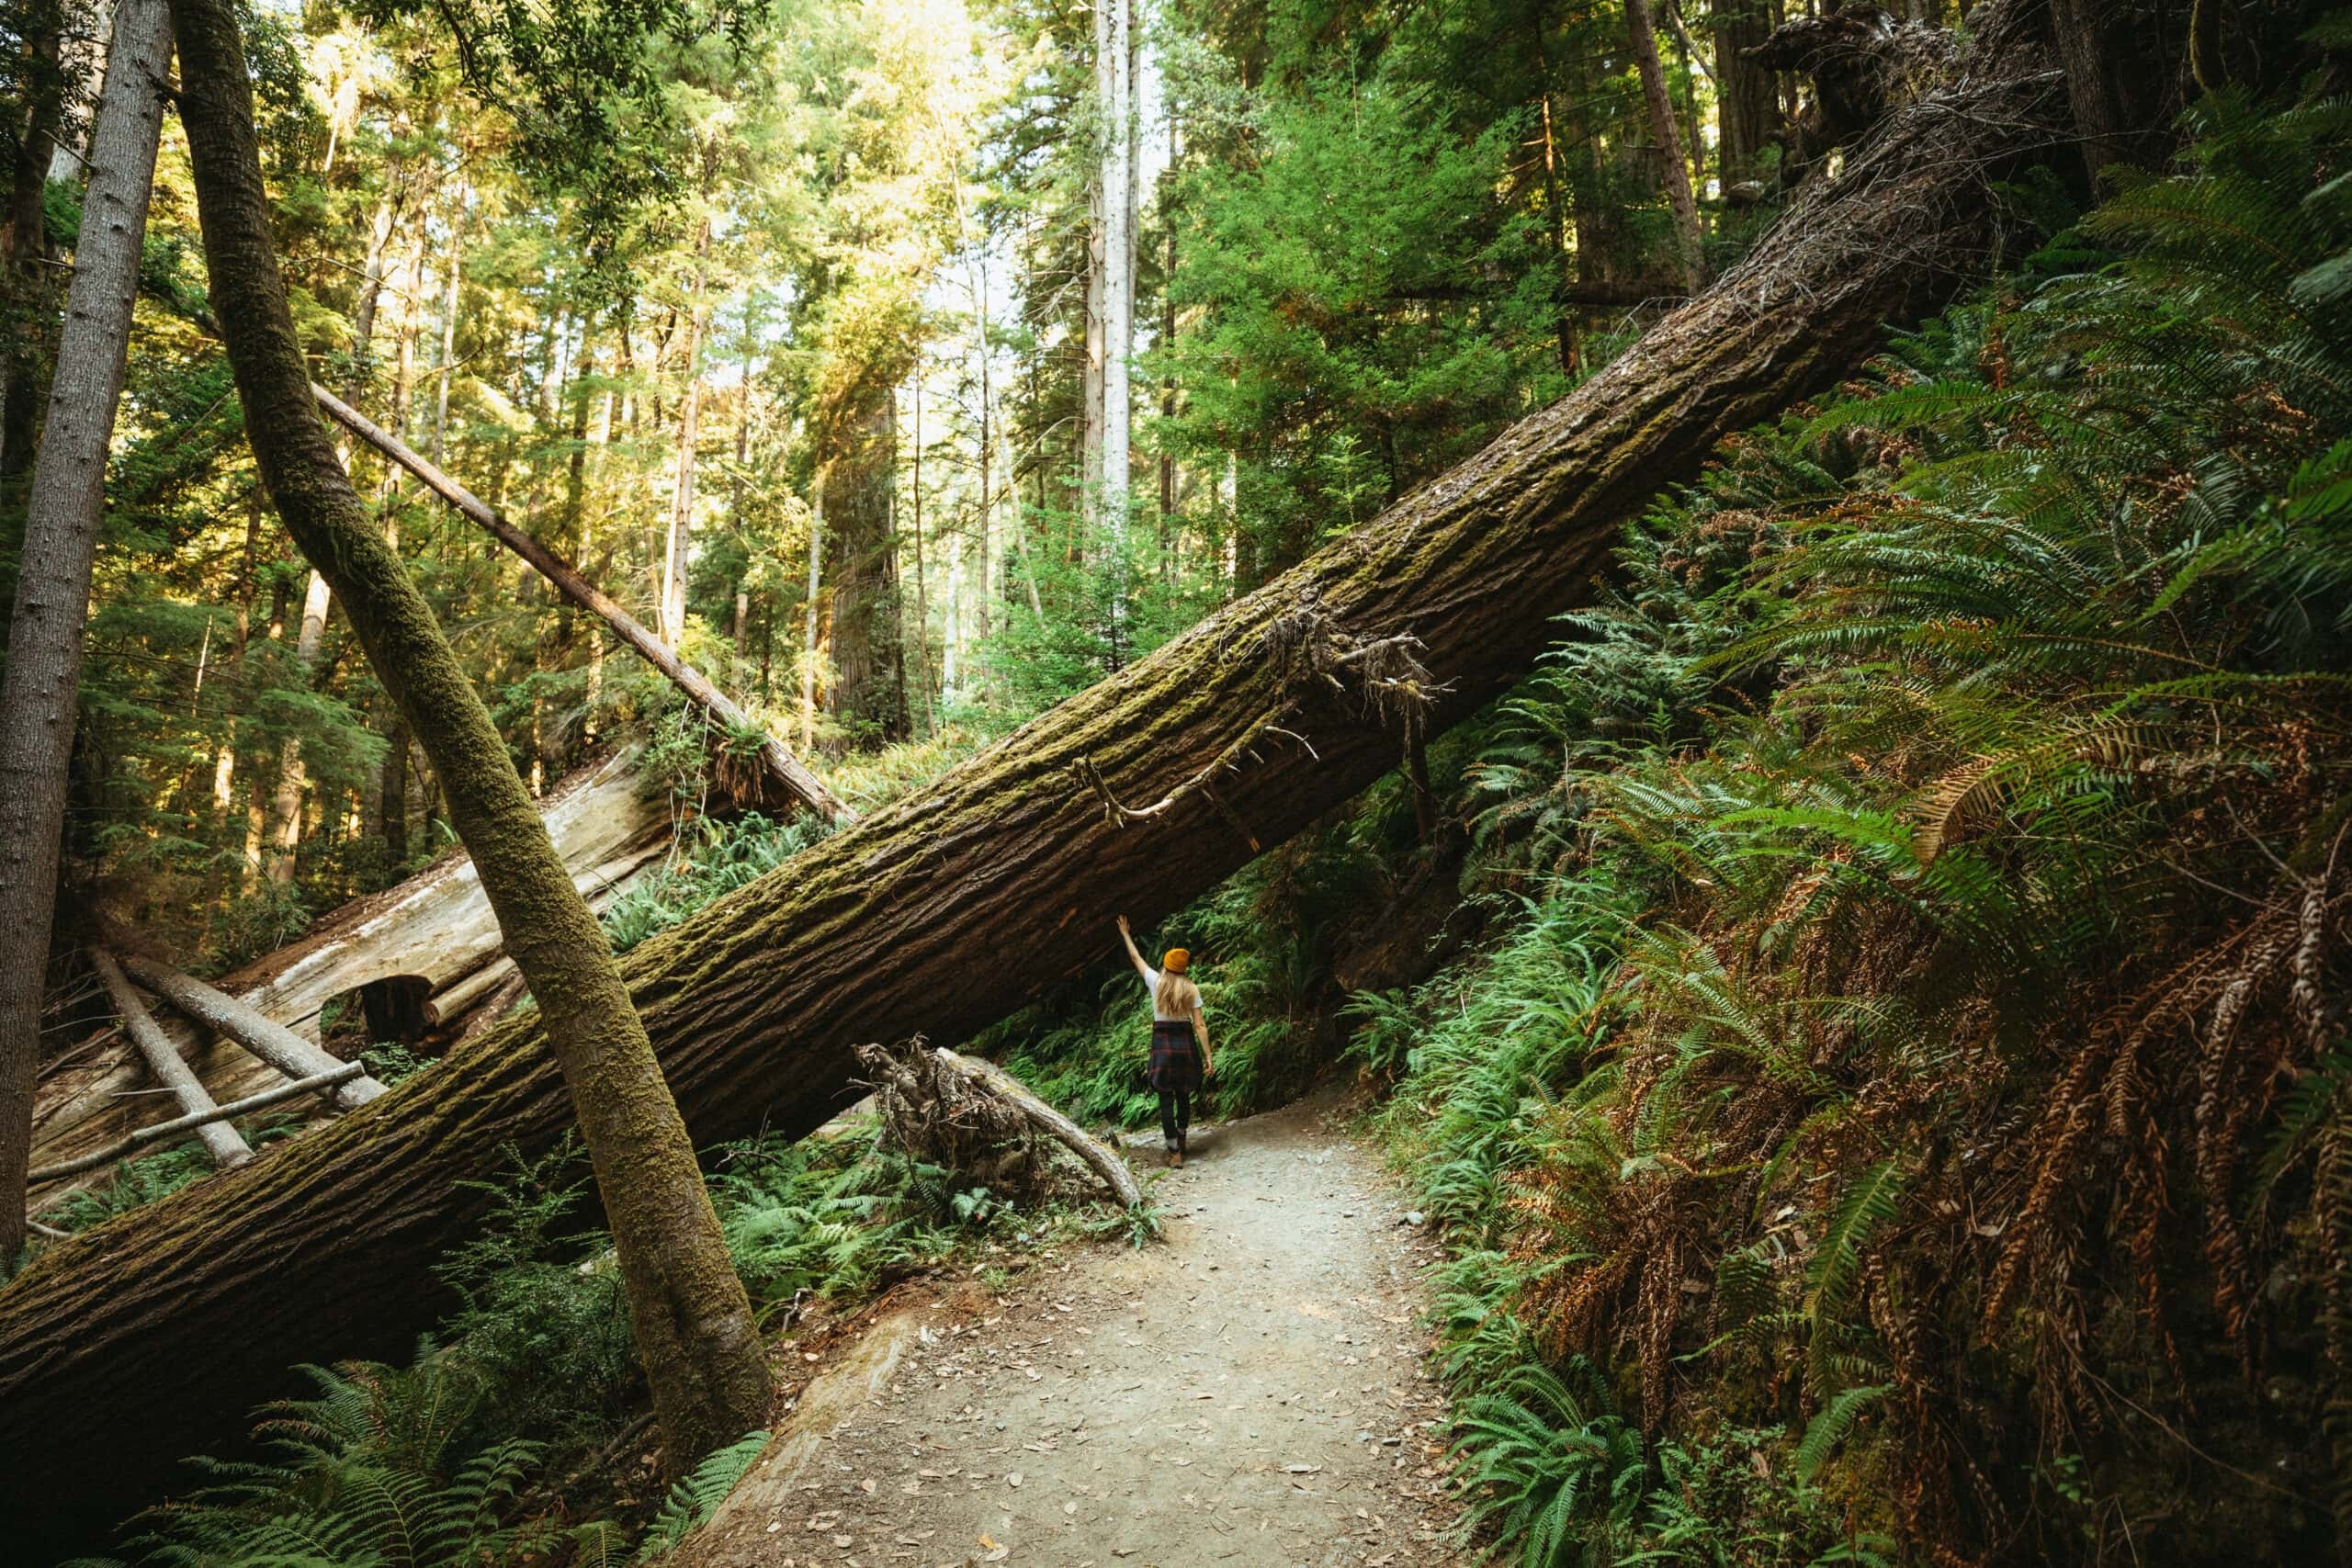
{"points": [[446, 363], [121, 1350], [682, 500], [30, 291], [1748, 105], [1093, 347], [923, 605], [1118, 177], [866, 641], [693, 1325], [808, 640], [44, 667], [1690, 243], [2123, 70], [285, 833]]}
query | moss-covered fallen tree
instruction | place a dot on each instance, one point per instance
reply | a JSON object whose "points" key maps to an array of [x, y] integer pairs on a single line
{"points": [[151, 1336]]}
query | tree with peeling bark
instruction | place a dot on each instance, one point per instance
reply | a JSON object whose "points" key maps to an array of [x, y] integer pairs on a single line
{"points": [[693, 1327], [1166, 777], [39, 689]]}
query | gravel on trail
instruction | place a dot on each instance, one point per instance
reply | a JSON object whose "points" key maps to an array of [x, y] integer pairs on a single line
{"points": [[1250, 1390]]}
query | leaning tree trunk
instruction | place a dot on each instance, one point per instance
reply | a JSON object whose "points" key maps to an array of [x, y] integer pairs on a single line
{"points": [[155, 1333], [693, 1321], [44, 672]]}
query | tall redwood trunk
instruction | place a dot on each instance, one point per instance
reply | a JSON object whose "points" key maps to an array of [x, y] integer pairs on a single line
{"points": [[44, 668], [122, 1349], [693, 1326], [682, 499], [1641, 33], [1748, 105]]}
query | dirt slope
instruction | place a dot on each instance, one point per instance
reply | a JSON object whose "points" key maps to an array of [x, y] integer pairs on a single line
{"points": [[1251, 1391]]}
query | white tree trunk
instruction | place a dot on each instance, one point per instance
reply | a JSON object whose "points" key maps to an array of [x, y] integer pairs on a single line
{"points": [[1118, 282], [45, 641]]}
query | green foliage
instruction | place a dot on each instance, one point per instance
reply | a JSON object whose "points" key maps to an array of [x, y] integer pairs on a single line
{"points": [[1929, 808], [695, 1498], [711, 859], [1551, 1467], [369, 1471], [541, 1334]]}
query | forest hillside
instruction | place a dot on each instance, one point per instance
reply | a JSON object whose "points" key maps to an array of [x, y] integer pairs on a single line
{"points": [[1728, 619]]}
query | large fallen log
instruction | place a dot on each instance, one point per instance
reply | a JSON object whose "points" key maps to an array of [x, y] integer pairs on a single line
{"points": [[434, 933], [151, 1336]]}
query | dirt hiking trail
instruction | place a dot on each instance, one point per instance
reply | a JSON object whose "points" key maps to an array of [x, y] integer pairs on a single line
{"points": [[1249, 1390]]}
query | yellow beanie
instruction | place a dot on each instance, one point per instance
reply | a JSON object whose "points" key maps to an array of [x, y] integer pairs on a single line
{"points": [[1177, 961]]}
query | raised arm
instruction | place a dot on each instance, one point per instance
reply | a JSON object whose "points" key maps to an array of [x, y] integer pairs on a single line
{"points": [[1134, 957]]}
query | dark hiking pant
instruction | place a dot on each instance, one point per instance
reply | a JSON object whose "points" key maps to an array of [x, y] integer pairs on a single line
{"points": [[1175, 1113]]}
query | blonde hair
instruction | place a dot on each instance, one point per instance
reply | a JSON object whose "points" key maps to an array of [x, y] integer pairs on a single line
{"points": [[1176, 996]]}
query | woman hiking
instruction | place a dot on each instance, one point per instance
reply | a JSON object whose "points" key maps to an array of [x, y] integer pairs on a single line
{"points": [[1177, 1066]]}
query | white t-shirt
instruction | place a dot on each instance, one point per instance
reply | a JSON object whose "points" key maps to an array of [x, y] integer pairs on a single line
{"points": [[1151, 989]]}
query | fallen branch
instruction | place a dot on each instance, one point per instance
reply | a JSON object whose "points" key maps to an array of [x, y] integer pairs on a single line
{"points": [[261, 1101], [264, 1037], [970, 1116], [220, 1140], [788, 770]]}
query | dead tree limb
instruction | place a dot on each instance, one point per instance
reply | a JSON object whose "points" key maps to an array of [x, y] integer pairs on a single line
{"points": [[271, 1040], [344, 1073], [976, 1118], [163, 1059], [788, 771], [964, 899], [1091, 1151]]}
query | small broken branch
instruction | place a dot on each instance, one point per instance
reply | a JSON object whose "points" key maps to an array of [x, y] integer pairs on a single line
{"points": [[788, 771], [342, 1074], [264, 1037], [220, 1140]]}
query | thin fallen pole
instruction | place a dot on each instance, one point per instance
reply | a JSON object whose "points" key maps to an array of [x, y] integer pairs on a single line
{"points": [[146, 1136], [264, 1036], [220, 1140], [781, 765]]}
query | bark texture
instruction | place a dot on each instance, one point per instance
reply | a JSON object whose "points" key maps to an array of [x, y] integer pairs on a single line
{"points": [[868, 691], [1748, 95], [38, 690], [757, 1003], [694, 1325], [1641, 34]]}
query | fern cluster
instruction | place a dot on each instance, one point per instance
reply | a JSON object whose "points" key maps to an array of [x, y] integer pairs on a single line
{"points": [[1915, 1035]]}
